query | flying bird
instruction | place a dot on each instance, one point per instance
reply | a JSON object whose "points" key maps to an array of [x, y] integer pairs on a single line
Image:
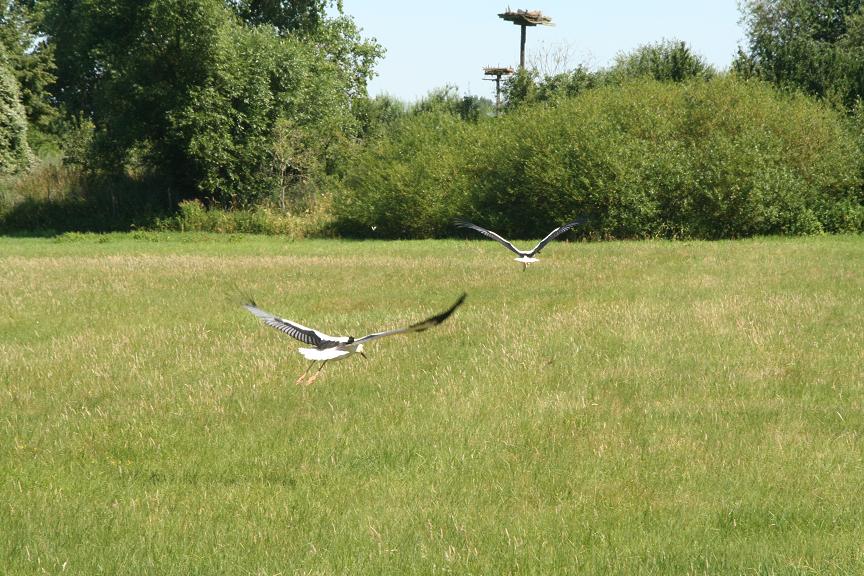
{"points": [[525, 256], [325, 348]]}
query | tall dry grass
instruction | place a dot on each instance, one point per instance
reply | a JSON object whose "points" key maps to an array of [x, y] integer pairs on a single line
{"points": [[629, 408]]}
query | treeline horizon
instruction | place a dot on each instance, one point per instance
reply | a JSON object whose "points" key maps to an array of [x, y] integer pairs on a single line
{"points": [[241, 116]]}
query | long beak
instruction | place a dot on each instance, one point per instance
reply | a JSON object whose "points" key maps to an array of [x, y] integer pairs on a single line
{"points": [[363, 355]]}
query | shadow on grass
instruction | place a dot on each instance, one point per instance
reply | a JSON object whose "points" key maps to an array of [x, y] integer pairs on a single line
{"points": [[113, 204]]}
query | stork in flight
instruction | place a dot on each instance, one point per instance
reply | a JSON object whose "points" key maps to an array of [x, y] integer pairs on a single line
{"points": [[525, 256], [326, 348]]}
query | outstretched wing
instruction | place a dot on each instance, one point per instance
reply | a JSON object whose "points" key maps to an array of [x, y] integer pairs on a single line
{"points": [[418, 327], [302, 333], [554, 234], [489, 234]]}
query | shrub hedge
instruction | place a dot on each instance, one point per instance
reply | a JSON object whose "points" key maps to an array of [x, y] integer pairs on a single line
{"points": [[409, 182], [721, 158]]}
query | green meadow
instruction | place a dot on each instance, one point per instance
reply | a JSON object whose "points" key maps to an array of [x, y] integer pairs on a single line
{"points": [[619, 408]]}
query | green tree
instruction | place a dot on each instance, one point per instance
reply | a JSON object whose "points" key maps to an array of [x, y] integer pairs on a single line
{"points": [[299, 16], [520, 88], [666, 61], [15, 153], [31, 59], [447, 100], [376, 115], [336, 36], [813, 45], [566, 84], [195, 88]]}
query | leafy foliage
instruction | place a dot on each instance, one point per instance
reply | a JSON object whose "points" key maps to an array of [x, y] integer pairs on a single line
{"points": [[32, 60], [250, 103], [299, 16], [708, 159], [447, 100], [520, 88], [667, 61], [817, 47], [229, 125], [195, 89], [54, 198], [671, 61], [377, 114], [411, 181], [15, 155]]}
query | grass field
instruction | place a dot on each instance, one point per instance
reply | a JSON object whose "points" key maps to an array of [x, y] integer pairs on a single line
{"points": [[619, 408]]}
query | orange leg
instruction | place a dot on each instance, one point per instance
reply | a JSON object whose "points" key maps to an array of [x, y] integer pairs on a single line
{"points": [[300, 379], [317, 372]]}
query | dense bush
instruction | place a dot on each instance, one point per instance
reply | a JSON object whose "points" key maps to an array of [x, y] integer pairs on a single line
{"points": [[708, 159], [410, 182]]}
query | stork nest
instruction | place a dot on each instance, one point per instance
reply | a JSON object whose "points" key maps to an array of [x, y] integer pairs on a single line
{"points": [[493, 71], [526, 17]]}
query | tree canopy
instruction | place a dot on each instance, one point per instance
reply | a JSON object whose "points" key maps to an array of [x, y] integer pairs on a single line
{"points": [[30, 58], [813, 45], [14, 150], [196, 88]]}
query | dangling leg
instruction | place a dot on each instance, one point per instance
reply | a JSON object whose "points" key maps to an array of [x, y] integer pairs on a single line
{"points": [[314, 376], [300, 379]]}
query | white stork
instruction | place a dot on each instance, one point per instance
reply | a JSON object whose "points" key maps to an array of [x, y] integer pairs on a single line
{"points": [[326, 348], [525, 256]]}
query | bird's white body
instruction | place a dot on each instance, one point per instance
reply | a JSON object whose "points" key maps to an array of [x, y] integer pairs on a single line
{"points": [[339, 353], [525, 259]]}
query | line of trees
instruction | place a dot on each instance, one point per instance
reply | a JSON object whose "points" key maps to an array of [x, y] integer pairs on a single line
{"points": [[240, 103]]}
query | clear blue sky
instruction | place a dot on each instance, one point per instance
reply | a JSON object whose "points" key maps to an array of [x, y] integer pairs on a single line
{"points": [[433, 44]]}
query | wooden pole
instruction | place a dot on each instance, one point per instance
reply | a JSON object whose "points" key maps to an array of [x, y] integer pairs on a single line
{"points": [[522, 49]]}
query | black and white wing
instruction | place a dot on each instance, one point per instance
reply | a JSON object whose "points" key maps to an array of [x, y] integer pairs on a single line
{"points": [[488, 234], [302, 333], [554, 234], [418, 327]]}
